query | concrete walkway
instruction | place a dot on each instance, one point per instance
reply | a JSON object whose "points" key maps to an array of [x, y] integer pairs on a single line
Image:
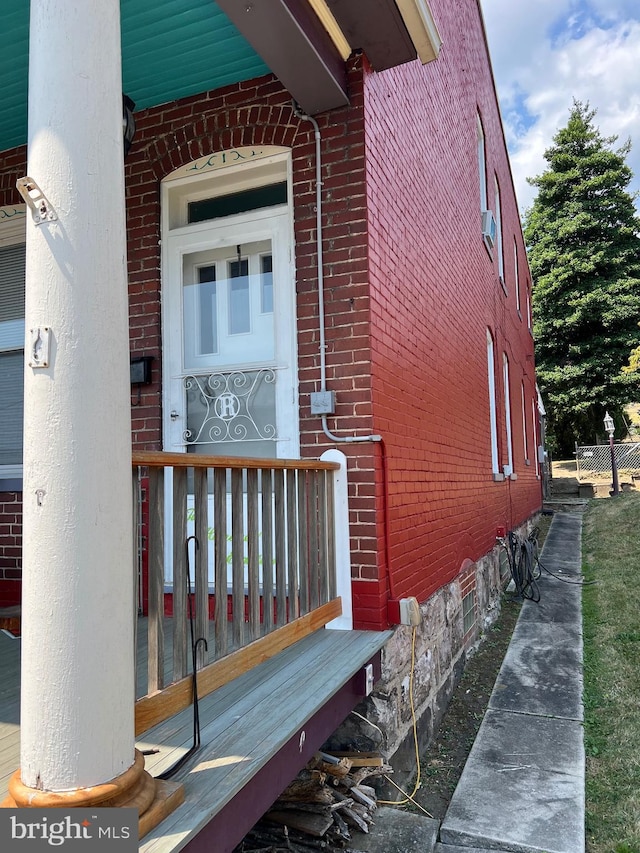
{"points": [[522, 788]]}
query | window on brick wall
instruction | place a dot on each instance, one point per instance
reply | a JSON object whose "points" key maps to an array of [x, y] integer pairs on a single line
{"points": [[534, 422], [516, 274], [508, 468], [12, 270], [498, 215], [524, 426], [482, 164], [493, 420]]}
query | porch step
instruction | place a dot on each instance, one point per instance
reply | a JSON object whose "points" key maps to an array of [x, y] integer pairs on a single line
{"points": [[257, 732], [565, 487]]}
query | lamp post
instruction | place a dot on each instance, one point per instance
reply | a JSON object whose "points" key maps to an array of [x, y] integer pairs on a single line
{"points": [[609, 427]]}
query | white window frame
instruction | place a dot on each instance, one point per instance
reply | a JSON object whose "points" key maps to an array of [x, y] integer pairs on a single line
{"points": [[12, 233], [516, 274], [493, 415], [498, 215], [482, 164], [508, 468], [534, 420], [525, 441]]}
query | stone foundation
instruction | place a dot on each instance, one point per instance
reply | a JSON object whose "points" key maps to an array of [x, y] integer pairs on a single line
{"points": [[384, 721]]}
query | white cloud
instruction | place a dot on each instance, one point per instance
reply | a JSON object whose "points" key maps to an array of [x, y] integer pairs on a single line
{"points": [[548, 53]]}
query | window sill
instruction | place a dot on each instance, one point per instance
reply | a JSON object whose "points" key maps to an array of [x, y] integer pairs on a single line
{"points": [[503, 285], [513, 476], [498, 478]]}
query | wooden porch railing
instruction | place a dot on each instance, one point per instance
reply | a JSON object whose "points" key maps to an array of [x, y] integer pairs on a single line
{"points": [[253, 560]]}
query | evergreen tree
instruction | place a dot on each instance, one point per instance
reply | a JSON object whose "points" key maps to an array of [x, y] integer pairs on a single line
{"points": [[583, 238]]}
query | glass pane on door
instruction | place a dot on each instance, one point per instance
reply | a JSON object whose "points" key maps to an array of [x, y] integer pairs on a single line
{"points": [[228, 335], [227, 306]]}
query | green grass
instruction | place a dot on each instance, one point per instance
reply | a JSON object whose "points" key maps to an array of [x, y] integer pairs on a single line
{"points": [[611, 556]]}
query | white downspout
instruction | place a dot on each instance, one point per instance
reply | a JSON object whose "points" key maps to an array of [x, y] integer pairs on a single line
{"points": [[320, 263]]}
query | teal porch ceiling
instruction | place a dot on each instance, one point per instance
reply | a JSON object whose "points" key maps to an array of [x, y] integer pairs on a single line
{"points": [[170, 49]]}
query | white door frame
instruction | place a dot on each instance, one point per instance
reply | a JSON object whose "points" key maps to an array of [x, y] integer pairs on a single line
{"points": [[266, 224], [275, 224]]}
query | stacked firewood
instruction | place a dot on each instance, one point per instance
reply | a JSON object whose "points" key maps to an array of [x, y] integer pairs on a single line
{"points": [[321, 809]]}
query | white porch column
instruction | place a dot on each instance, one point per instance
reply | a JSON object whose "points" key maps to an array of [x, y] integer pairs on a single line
{"points": [[77, 648]]}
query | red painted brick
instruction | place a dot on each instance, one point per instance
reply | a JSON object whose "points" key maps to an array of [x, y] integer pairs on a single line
{"points": [[409, 293]]}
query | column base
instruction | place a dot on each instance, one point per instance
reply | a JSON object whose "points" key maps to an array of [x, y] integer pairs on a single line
{"points": [[155, 799]]}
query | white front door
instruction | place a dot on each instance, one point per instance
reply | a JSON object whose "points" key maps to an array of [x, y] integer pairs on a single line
{"points": [[229, 337]]}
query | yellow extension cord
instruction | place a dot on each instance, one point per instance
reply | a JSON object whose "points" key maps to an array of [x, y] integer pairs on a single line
{"points": [[409, 798]]}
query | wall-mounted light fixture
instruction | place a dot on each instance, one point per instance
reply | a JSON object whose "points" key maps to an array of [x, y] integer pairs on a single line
{"points": [[128, 122], [140, 373], [141, 369]]}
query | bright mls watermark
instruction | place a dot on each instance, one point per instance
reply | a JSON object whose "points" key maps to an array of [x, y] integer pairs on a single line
{"points": [[114, 830]]}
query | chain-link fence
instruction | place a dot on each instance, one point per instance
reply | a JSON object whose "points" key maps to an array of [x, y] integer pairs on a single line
{"points": [[594, 461]]}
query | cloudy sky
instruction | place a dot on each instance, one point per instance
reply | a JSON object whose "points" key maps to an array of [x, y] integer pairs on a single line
{"points": [[545, 53]]}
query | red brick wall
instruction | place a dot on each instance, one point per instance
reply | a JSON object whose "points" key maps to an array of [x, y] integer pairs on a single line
{"points": [[409, 293], [10, 547], [260, 113], [434, 292]]}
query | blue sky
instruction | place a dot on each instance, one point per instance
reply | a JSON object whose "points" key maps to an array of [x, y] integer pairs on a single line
{"points": [[545, 53]]}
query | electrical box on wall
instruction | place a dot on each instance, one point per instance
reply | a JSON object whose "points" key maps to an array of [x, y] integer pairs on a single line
{"points": [[323, 402], [368, 679], [410, 611]]}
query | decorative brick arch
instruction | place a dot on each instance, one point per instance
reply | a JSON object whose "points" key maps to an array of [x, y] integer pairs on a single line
{"points": [[222, 131]]}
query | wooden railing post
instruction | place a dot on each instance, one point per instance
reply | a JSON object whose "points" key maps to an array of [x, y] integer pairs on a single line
{"points": [[156, 580], [340, 514]]}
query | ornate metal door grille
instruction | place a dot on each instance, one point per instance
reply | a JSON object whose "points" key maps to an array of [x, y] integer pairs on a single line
{"points": [[230, 407]]}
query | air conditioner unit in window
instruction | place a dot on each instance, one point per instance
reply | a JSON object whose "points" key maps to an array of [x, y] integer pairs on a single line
{"points": [[489, 228]]}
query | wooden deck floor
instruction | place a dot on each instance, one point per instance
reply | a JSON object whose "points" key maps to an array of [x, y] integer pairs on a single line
{"points": [[256, 732]]}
